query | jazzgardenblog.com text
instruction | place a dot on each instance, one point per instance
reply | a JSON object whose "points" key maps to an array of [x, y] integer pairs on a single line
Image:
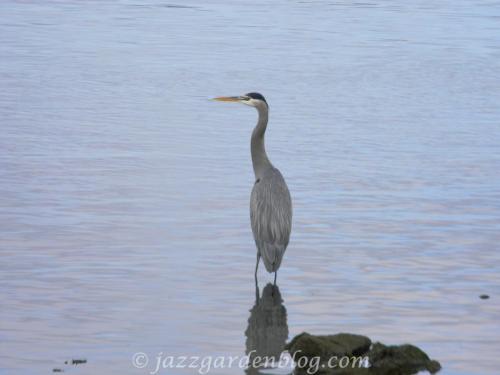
{"points": [[160, 363]]}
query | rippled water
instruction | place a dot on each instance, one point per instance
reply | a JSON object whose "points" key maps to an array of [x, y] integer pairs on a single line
{"points": [[124, 191]]}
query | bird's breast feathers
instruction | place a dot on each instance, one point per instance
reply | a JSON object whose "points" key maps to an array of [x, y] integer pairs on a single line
{"points": [[271, 209]]}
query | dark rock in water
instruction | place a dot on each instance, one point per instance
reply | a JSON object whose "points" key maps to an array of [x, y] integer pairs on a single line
{"points": [[328, 346], [484, 296], [355, 355], [320, 354], [57, 370], [75, 362], [400, 360]]}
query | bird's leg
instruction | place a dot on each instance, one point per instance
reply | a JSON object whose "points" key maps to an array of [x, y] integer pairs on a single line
{"points": [[275, 275], [257, 293], [257, 266]]}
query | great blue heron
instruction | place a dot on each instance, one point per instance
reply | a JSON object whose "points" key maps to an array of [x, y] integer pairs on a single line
{"points": [[270, 202]]}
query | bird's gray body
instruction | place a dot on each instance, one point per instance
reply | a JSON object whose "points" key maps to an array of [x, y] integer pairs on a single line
{"points": [[270, 203], [271, 217]]}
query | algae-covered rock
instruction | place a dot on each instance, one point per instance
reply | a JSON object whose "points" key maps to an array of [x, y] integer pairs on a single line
{"points": [[327, 346], [355, 355], [402, 359], [317, 354]]}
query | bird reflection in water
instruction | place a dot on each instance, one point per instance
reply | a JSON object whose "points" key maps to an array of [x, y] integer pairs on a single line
{"points": [[267, 329]]}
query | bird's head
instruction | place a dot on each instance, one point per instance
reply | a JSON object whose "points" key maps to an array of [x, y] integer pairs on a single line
{"points": [[253, 99]]}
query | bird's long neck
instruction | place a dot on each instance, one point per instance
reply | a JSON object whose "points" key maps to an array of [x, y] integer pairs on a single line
{"points": [[260, 160]]}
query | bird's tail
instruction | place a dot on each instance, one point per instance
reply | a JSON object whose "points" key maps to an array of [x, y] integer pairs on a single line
{"points": [[272, 254]]}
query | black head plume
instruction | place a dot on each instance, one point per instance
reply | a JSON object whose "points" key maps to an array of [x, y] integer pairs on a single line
{"points": [[256, 95]]}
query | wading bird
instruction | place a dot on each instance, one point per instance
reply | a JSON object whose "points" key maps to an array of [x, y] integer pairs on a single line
{"points": [[270, 202]]}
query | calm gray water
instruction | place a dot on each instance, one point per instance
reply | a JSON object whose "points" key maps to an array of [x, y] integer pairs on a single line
{"points": [[124, 223]]}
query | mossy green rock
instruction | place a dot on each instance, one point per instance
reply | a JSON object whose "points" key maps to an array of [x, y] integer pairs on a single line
{"points": [[363, 357], [328, 346], [306, 349], [401, 359]]}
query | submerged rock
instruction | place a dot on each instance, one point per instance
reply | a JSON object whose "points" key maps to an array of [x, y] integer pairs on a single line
{"points": [[346, 353], [75, 362], [78, 361]]}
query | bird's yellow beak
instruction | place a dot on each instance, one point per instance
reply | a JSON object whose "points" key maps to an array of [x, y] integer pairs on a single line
{"points": [[228, 98]]}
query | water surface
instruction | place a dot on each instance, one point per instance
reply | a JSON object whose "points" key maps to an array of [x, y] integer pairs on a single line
{"points": [[124, 219]]}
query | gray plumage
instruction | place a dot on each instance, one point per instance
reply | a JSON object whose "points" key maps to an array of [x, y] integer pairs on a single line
{"points": [[270, 202], [271, 217]]}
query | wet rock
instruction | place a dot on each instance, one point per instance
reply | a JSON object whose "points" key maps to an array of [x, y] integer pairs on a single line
{"points": [[355, 355], [400, 360], [328, 346], [484, 296], [319, 354]]}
